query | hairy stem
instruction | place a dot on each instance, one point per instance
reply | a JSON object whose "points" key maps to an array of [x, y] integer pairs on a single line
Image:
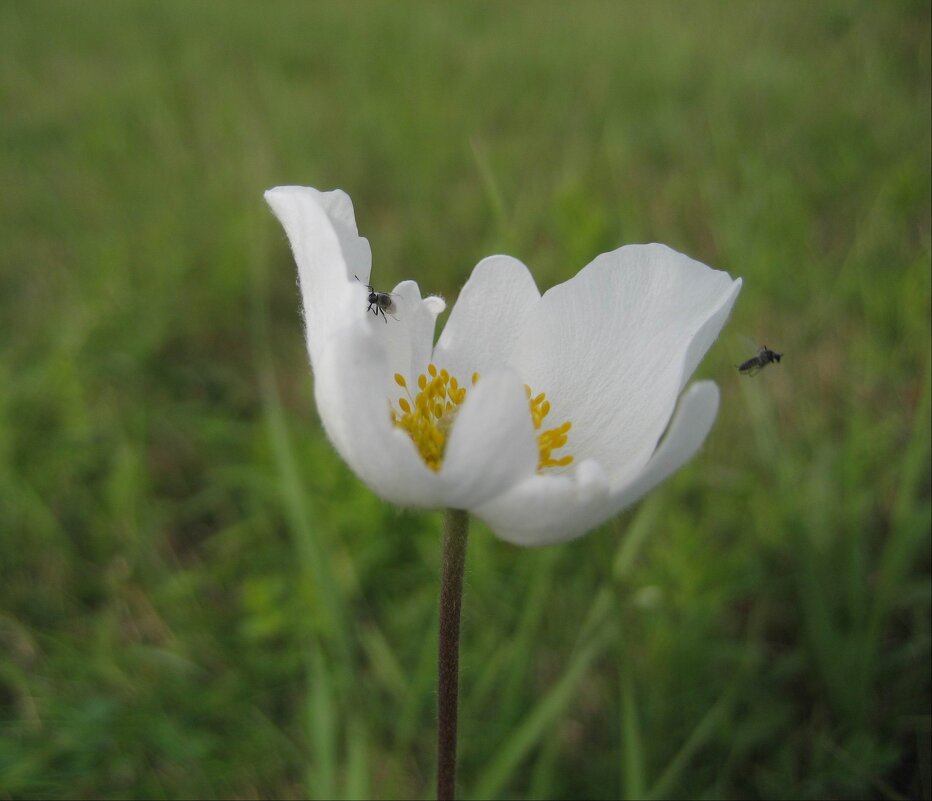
{"points": [[455, 533]]}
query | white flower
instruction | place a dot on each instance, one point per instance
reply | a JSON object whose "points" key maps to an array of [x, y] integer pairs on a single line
{"points": [[541, 415]]}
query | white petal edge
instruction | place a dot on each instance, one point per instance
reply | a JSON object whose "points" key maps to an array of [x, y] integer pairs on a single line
{"points": [[708, 333], [329, 253], [546, 510], [692, 422], [487, 316]]}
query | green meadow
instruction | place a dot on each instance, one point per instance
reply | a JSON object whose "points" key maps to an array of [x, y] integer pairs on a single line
{"points": [[198, 598]]}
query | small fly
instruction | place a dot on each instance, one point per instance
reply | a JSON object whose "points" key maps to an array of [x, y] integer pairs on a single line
{"points": [[757, 363], [379, 302]]}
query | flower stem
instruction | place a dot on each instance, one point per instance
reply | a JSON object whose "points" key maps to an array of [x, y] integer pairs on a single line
{"points": [[455, 533]]}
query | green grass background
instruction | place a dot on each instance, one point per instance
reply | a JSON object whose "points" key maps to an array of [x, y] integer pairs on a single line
{"points": [[198, 598]]}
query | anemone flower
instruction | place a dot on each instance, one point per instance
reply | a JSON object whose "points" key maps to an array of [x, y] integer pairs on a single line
{"points": [[542, 415]]}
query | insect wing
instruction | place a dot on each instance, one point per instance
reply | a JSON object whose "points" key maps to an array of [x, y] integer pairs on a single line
{"points": [[389, 302], [386, 301]]}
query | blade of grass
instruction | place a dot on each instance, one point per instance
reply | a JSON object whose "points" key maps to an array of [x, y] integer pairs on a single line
{"points": [[421, 689], [706, 727], [386, 668], [634, 538], [539, 721], [908, 531], [322, 724], [632, 748], [492, 191], [357, 762], [544, 773], [699, 737], [532, 617], [309, 546]]}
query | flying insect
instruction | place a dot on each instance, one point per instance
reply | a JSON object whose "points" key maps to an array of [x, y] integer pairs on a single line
{"points": [[757, 363]]}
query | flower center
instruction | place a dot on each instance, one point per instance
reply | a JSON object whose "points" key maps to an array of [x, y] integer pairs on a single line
{"points": [[428, 416]]}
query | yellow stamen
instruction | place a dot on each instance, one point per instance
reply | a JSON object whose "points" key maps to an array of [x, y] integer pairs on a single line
{"points": [[428, 417], [553, 438]]}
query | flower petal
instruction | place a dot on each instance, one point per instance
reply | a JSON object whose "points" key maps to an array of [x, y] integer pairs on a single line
{"points": [[492, 445], [691, 425], [418, 317], [547, 509], [352, 388], [329, 253], [487, 317], [708, 332], [611, 346], [407, 331]]}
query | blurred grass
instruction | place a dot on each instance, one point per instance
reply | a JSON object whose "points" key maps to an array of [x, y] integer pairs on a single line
{"points": [[198, 599]]}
